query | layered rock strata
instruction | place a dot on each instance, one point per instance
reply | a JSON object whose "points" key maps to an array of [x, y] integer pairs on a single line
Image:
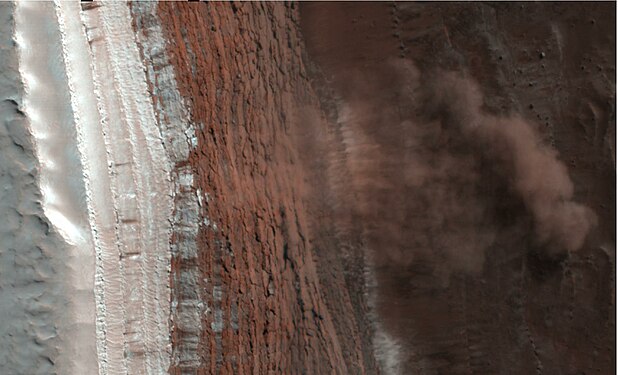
{"points": [[315, 188], [270, 304]]}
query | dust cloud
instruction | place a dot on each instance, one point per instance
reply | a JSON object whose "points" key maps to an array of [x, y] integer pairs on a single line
{"points": [[439, 181], [533, 169]]}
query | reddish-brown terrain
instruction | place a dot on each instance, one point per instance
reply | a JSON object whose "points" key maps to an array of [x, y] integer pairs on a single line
{"points": [[240, 68], [314, 123]]}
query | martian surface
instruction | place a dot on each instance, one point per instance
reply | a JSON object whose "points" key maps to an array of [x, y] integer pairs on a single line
{"points": [[307, 188]]}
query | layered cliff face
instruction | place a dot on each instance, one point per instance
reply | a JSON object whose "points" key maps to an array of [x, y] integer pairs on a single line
{"points": [[314, 188], [436, 253], [418, 225], [268, 303]]}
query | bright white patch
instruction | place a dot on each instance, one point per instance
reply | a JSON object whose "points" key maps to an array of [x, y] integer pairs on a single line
{"points": [[48, 193], [386, 348], [51, 124], [33, 114], [29, 80], [134, 274], [19, 40], [69, 231]]}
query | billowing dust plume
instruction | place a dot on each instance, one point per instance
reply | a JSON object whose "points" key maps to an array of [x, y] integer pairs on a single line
{"points": [[439, 181], [533, 169]]}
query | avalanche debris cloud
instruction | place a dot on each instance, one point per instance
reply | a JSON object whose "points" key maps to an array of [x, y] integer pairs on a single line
{"points": [[443, 178]]}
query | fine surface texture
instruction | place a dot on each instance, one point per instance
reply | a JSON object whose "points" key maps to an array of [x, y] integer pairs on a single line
{"points": [[307, 188], [265, 306]]}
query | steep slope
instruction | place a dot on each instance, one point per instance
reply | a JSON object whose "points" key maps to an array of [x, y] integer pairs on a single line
{"points": [[265, 307]]}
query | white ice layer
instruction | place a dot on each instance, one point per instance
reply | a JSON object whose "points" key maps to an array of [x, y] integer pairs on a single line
{"points": [[48, 109], [141, 190], [105, 179]]}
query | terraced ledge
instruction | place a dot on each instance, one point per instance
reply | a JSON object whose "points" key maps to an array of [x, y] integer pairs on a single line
{"points": [[140, 185], [179, 140]]}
